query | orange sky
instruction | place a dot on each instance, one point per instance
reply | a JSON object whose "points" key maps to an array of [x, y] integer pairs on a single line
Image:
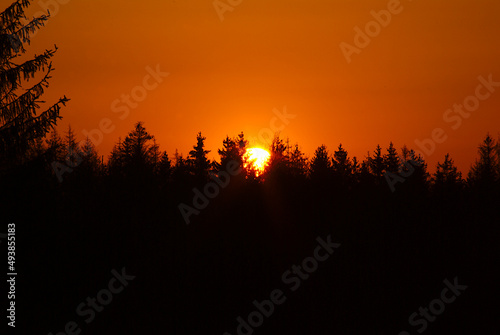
{"points": [[228, 76]]}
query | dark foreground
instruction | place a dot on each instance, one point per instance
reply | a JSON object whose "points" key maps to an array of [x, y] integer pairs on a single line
{"points": [[397, 254]]}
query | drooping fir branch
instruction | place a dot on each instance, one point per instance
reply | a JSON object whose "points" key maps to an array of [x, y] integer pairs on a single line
{"points": [[9, 18], [17, 106], [22, 124], [17, 133], [12, 44], [38, 126], [11, 78]]}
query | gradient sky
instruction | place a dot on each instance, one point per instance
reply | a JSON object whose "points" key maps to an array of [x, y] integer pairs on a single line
{"points": [[228, 76]]}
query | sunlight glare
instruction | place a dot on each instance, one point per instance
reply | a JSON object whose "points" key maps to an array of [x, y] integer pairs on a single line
{"points": [[258, 158]]}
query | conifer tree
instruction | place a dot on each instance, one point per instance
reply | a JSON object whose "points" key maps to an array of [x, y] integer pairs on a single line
{"points": [[321, 165], [165, 167], [115, 162], [278, 161], [447, 178], [233, 149], [181, 173], [55, 144], [73, 154], [242, 145], [418, 179], [391, 159], [377, 163], [155, 156], [91, 165], [298, 162], [198, 159], [484, 173], [22, 120], [228, 153], [135, 156], [342, 165], [364, 177]]}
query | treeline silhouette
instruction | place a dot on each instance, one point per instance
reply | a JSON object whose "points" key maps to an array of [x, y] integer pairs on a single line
{"points": [[137, 163], [396, 247]]}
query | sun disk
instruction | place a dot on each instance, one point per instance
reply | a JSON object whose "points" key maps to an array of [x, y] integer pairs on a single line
{"points": [[258, 158]]}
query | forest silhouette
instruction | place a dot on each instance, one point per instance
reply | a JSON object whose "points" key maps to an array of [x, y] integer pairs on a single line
{"points": [[402, 229], [397, 247]]}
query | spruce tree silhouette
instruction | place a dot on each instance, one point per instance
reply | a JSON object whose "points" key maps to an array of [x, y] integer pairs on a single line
{"points": [[91, 165], [298, 164], [416, 184], [136, 156], [278, 164], [198, 160], [22, 121], [483, 175], [376, 164], [391, 159], [447, 180], [55, 149], [73, 154], [233, 150], [321, 165], [342, 169]]}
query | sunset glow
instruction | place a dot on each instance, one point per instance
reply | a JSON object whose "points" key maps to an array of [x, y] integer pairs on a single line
{"points": [[334, 162], [258, 158], [237, 71]]}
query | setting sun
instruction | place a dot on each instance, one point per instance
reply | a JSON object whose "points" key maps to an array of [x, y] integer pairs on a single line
{"points": [[258, 158]]}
